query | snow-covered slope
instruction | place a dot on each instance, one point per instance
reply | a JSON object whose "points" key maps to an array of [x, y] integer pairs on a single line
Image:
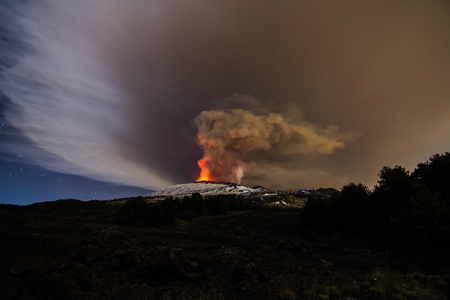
{"points": [[205, 188]]}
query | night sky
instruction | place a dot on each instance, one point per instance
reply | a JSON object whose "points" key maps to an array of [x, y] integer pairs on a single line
{"points": [[109, 99]]}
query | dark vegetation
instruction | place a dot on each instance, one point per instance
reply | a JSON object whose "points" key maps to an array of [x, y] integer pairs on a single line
{"points": [[408, 213], [389, 243], [139, 212]]}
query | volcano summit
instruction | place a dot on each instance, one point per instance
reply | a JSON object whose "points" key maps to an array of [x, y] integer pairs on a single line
{"points": [[206, 188]]}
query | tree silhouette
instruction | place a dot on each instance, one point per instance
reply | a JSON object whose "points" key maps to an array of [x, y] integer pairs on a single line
{"points": [[350, 209], [435, 174]]}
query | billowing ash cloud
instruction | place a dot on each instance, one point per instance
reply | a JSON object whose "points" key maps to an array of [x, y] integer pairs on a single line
{"points": [[230, 138], [110, 89]]}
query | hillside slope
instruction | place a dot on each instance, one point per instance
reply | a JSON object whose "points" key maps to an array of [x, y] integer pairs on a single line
{"points": [[206, 188]]}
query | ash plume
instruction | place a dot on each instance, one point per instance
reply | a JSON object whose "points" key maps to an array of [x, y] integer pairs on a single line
{"points": [[229, 137]]}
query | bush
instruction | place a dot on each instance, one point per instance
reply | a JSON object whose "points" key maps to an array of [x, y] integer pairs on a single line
{"points": [[346, 212], [316, 214], [349, 211], [424, 226], [194, 203], [155, 215], [435, 174], [171, 209], [135, 211], [217, 205]]}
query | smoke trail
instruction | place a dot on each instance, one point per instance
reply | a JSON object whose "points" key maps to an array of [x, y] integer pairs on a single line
{"points": [[231, 137], [65, 100]]}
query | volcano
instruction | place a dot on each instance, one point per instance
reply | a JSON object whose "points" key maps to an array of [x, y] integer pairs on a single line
{"points": [[206, 188]]}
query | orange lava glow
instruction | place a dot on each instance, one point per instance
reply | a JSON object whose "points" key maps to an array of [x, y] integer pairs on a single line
{"points": [[205, 174]]}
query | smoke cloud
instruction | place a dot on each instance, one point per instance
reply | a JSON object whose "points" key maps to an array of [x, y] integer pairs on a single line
{"points": [[230, 138], [136, 92]]}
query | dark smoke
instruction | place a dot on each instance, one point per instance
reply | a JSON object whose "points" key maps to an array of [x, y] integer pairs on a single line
{"points": [[229, 138]]}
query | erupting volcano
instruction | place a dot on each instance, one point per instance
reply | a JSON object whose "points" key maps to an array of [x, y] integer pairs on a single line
{"points": [[205, 174], [235, 141]]}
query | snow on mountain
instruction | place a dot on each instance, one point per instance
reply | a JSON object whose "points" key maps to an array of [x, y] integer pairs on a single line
{"points": [[205, 188]]}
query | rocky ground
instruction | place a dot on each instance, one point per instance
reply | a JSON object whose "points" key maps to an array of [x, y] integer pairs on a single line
{"points": [[58, 252]]}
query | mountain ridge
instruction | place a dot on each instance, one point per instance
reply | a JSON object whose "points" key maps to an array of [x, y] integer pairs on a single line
{"points": [[206, 188], [209, 188]]}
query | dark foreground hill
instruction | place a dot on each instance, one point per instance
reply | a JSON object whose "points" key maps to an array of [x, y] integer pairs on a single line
{"points": [[76, 250]]}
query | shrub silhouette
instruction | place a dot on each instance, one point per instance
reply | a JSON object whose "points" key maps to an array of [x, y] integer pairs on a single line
{"points": [[195, 204], [217, 205], [316, 214], [423, 226], [390, 196], [138, 212], [156, 215], [135, 211], [435, 174], [345, 212], [171, 209], [350, 209]]}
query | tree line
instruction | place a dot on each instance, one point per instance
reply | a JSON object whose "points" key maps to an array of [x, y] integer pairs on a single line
{"points": [[138, 212], [408, 213]]}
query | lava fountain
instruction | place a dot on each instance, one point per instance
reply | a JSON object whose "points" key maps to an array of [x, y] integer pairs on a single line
{"points": [[205, 174]]}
